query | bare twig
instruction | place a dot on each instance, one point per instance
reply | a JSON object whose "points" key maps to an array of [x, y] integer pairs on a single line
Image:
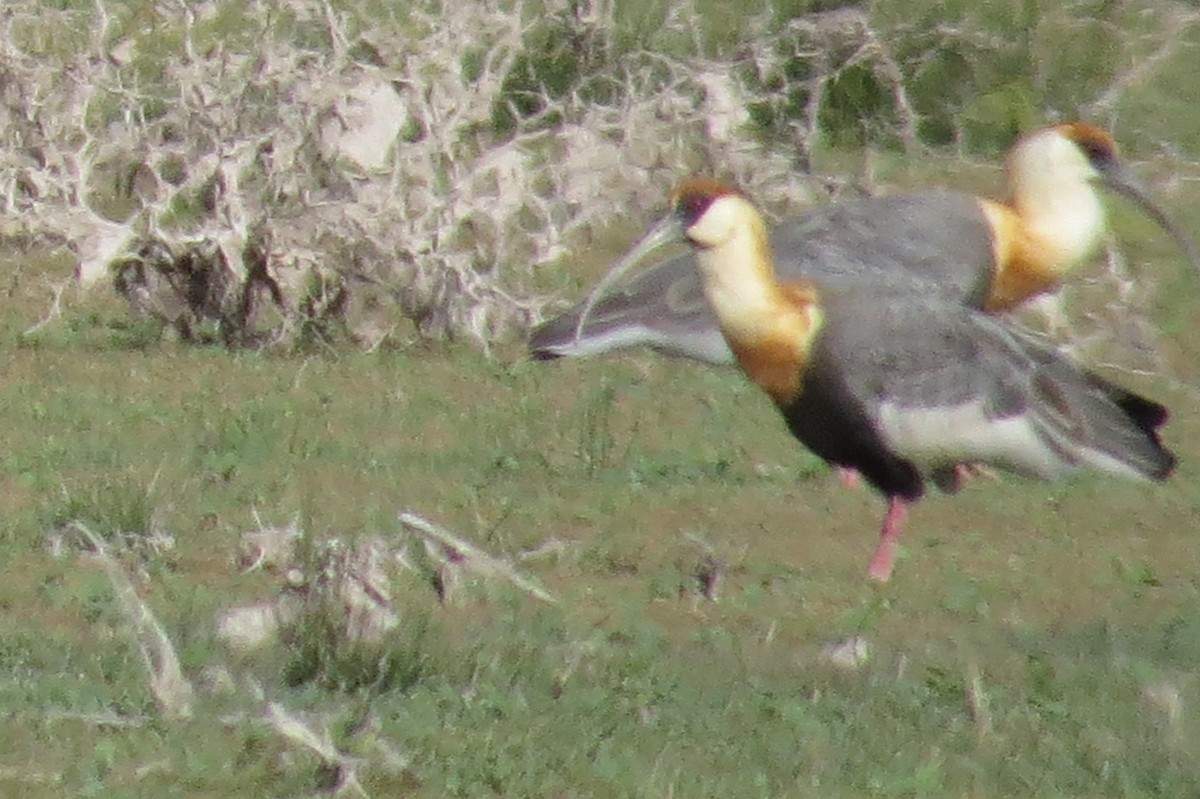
{"points": [[295, 730], [1169, 40], [466, 555], [57, 289], [109, 719], [977, 701], [170, 688]]}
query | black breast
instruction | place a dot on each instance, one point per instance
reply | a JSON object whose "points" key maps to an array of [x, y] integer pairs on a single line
{"points": [[829, 421]]}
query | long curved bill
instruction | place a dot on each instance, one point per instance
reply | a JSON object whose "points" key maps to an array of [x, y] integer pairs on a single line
{"points": [[1118, 178], [665, 231]]}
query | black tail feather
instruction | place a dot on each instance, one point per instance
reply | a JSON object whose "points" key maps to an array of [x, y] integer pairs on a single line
{"points": [[1147, 415]]}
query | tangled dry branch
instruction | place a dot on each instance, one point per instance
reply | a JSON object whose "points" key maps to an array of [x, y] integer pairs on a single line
{"points": [[170, 688], [274, 170], [308, 171]]}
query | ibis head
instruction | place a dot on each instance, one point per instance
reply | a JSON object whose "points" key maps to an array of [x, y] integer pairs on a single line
{"points": [[687, 207], [1052, 173], [716, 220]]}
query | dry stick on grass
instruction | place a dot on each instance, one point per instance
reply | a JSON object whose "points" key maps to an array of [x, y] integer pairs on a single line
{"points": [[467, 556], [55, 311], [108, 719], [171, 689], [977, 701], [709, 568], [1164, 696], [296, 731]]}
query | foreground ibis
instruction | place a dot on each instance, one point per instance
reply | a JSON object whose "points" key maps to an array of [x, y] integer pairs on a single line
{"points": [[986, 254], [900, 385]]}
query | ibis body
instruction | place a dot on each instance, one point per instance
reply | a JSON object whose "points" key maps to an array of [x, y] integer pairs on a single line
{"points": [[897, 385], [966, 249]]}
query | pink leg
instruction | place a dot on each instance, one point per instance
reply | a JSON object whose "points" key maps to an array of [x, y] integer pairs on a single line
{"points": [[885, 554], [847, 476]]}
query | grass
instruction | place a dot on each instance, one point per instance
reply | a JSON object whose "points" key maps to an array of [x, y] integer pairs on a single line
{"points": [[1035, 639]]}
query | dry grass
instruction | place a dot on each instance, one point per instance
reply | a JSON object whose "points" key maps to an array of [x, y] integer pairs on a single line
{"points": [[290, 172], [711, 632]]}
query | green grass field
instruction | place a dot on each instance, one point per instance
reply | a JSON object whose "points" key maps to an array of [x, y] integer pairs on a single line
{"points": [[1035, 639]]}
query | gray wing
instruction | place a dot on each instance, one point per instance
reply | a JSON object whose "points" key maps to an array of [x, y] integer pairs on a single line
{"points": [[942, 384], [927, 242], [664, 308]]}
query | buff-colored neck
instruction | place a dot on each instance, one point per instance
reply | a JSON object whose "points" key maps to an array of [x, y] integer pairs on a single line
{"points": [[769, 326], [735, 263], [1054, 194], [1053, 222]]}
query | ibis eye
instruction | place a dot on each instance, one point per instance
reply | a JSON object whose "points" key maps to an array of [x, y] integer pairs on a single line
{"points": [[1098, 154], [691, 207]]}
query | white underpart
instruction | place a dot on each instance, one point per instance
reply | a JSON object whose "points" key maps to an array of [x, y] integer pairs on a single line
{"points": [[1053, 187], [932, 437]]}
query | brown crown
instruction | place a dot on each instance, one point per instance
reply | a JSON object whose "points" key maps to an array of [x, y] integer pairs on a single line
{"points": [[1094, 141], [694, 195]]}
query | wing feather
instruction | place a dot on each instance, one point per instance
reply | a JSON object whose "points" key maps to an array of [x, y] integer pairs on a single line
{"points": [[943, 384], [930, 242]]}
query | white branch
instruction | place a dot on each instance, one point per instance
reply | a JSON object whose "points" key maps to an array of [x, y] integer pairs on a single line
{"points": [[472, 558], [295, 730], [170, 688]]}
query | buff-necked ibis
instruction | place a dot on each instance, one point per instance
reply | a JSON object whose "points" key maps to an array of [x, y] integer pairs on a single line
{"points": [[896, 384], [985, 253]]}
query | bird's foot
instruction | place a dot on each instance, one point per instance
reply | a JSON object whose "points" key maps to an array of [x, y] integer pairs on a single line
{"points": [[885, 554], [847, 477], [880, 569]]}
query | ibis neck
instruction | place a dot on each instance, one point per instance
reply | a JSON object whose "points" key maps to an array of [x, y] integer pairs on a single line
{"points": [[740, 283], [1059, 209], [770, 327]]}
